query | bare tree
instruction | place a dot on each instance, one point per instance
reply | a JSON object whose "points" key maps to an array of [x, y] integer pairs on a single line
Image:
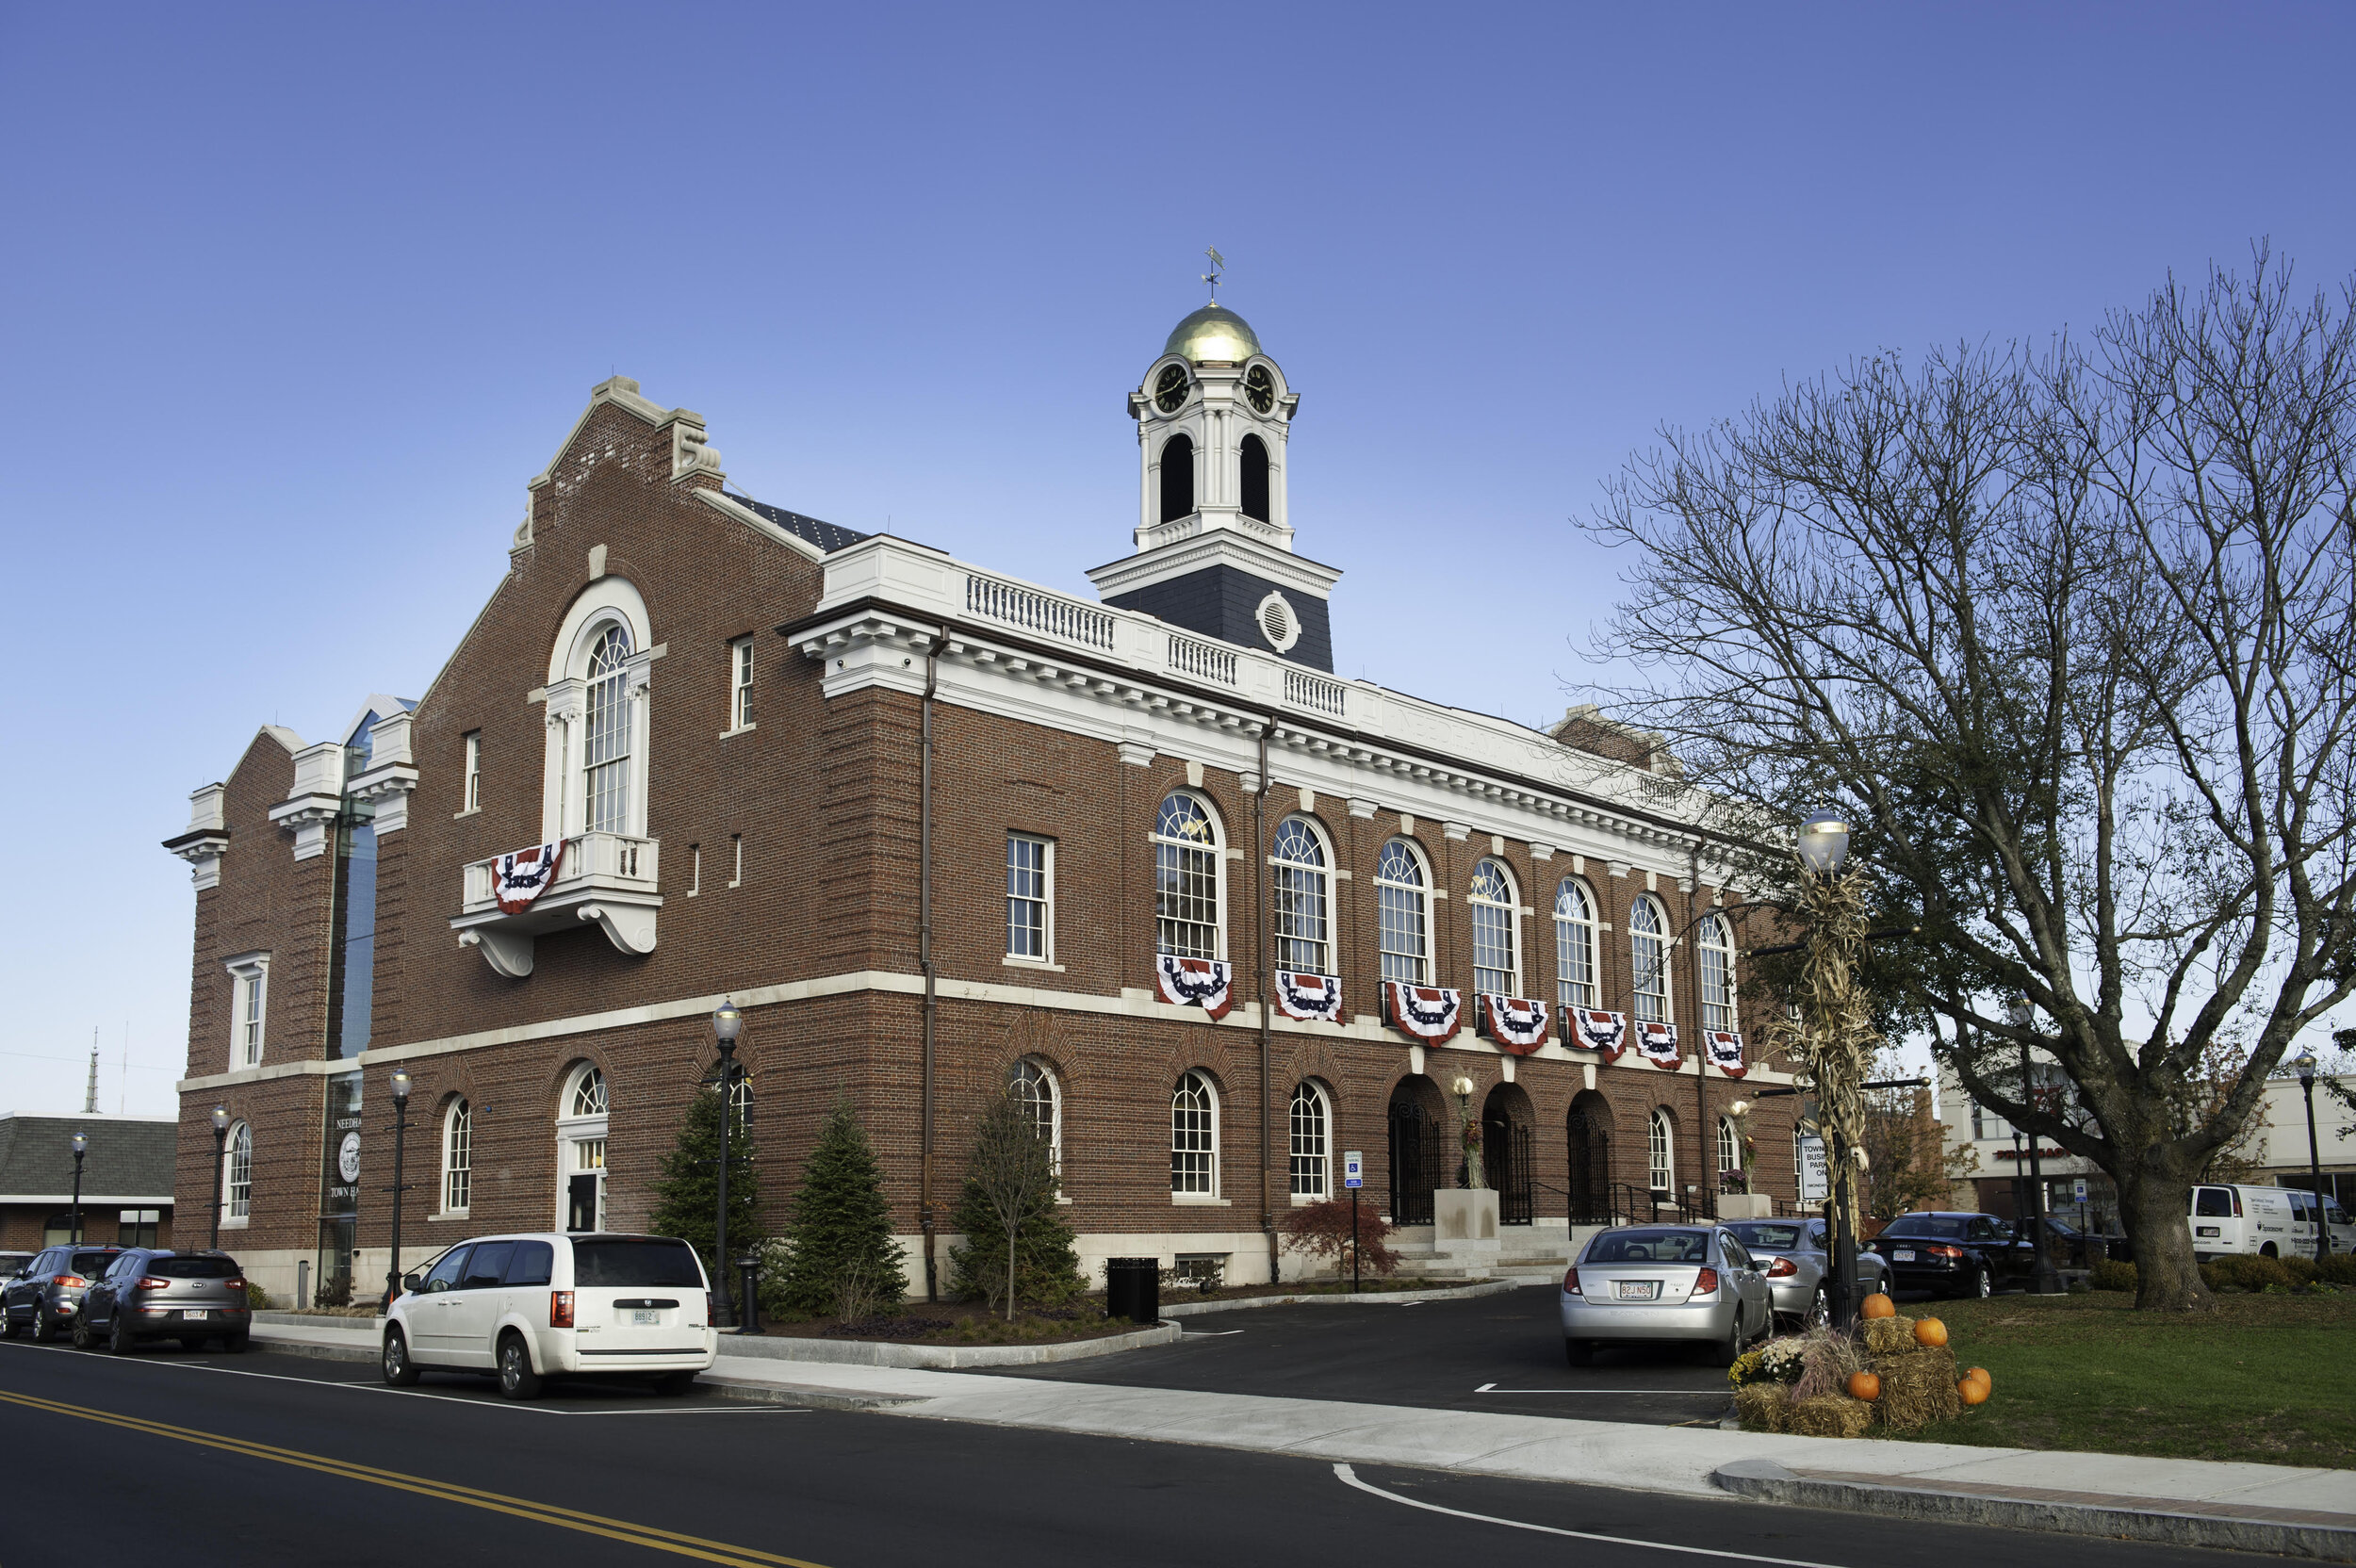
{"points": [[1013, 1174], [2069, 633]]}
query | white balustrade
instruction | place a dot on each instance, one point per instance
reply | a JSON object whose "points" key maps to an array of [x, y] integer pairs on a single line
{"points": [[1316, 692], [1202, 660], [1012, 604]]}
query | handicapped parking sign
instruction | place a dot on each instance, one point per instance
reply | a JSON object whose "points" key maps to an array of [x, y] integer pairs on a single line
{"points": [[1354, 1170]]}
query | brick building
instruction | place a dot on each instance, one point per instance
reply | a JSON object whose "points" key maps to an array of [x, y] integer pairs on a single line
{"points": [[720, 708], [124, 1195]]}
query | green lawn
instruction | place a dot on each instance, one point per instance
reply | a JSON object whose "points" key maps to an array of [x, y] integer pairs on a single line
{"points": [[2266, 1379]]}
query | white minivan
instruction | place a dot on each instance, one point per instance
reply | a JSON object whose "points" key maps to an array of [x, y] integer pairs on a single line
{"points": [[525, 1308], [2272, 1222]]}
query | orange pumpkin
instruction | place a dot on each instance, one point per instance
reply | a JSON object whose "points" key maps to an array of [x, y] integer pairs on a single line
{"points": [[1979, 1374], [1974, 1391], [1930, 1332], [1878, 1305], [1865, 1386]]}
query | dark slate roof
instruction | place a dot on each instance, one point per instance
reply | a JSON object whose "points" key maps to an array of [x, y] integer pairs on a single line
{"points": [[827, 536], [126, 1158]]}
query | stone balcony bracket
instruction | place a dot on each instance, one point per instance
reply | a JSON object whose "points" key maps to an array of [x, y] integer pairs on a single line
{"points": [[610, 880]]}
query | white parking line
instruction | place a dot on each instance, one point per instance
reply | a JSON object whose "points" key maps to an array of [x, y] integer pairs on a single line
{"points": [[1687, 1392], [1350, 1478]]}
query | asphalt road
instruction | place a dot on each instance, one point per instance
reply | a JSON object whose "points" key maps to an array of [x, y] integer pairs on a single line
{"points": [[262, 1459]]}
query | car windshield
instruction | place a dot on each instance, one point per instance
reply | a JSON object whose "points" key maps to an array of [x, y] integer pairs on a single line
{"points": [[1770, 1238], [1648, 1246], [191, 1268], [92, 1262], [635, 1262], [1937, 1228]]}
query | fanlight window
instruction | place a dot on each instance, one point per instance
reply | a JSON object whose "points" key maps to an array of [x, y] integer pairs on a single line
{"points": [[1717, 972], [1194, 1138], [458, 1157], [1402, 901], [1658, 1148], [589, 1094], [240, 1193], [1302, 899], [605, 742], [1493, 917], [1311, 1156], [1574, 945], [1648, 947], [1186, 879], [1034, 1090], [1729, 1146]]}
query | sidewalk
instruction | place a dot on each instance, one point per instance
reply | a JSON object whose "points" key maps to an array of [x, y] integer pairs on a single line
{"points": [[2299, 1512]]}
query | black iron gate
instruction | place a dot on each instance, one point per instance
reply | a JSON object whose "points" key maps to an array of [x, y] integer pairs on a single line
{"points": [[1415, 1153], [1505, 1158], [1590, 1169]]}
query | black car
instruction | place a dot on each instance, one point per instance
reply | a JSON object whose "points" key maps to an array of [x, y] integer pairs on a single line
{"points": [[2072, 1248], [150, 1294], [1954, 1254], [45, 1298]]}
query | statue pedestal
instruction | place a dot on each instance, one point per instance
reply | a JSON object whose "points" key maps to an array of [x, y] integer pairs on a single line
{"points": [[1465, 1225], [1745, 1205]]}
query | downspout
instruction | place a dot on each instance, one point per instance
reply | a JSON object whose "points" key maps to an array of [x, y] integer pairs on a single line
{"points": [[1259, 898], [924, 962]]}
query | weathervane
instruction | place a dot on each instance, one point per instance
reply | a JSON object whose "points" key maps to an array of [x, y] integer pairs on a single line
{"points": [[1219, 270]]}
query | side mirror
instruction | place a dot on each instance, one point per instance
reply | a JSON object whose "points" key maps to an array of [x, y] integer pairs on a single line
{"points": [[411, 1283]]}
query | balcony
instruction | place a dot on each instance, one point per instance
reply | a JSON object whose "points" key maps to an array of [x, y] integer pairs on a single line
{"points": [[603, 878]]}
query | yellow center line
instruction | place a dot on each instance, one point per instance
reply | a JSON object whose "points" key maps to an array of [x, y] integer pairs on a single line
{"points": [[522, 1508]]}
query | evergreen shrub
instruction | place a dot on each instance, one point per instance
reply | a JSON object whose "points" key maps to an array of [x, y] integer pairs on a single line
{"points": [[687, 1193], [839, 1256]]}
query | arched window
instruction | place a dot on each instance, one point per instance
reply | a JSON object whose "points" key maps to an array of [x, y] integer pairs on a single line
{"points": [[457, 1157], [1496, 920], [1034, 1090], [1301, 901], [581, 1130], [1660, 1153], [1254, 488], [240, 1196], [605, 739], [1717, 942], [1729, 1146], [1194, 1138], [741, 1102], [1177, 478], [1187, 874], [589, 1093], [1403, 912], [1574, 945], [1312, 1117], [1648, 947]]}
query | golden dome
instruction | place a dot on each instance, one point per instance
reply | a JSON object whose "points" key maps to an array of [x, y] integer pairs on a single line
{"points": [[1213, 332]]}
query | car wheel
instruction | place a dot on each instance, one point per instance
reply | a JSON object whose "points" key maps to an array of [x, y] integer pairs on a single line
{"points": [[1726, 1351], [2268, 1251], [399, 1371], [517, 1380], [672, 1384], [1580, 1352], [9, 1327], [119, 1335], [35, 1330], [81, 1336], [1983, 1284]]}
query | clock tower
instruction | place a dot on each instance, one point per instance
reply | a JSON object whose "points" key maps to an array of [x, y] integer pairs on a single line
{"points": [[1214, 539]]}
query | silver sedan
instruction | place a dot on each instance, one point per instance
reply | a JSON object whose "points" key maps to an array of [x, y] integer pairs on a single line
{"points": [[1792, 1255], [1655, 1282]]}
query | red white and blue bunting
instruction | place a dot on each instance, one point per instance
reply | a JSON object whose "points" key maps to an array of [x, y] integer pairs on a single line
{"points": [[1725, 1049], [519, 879], [1658, 1042], [1205, 983], [1516, 1023], [1600, 1031], [1427, 1012], [1312, 998]]}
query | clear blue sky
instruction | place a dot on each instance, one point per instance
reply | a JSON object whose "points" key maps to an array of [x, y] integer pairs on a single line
{"points": [[297, 299]]}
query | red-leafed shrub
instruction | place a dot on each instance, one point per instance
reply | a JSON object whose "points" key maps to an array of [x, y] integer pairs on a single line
{"points": [[1321, 1231]]}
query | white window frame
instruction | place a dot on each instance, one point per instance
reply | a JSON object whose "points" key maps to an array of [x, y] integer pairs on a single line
{"points": [[249, 1009], [1388, 957], [236, 1178], [1661, 1157], [1316, 881], [470, 789], [1045, 901], [457, 1159], [1658, 937], [577, 1126], [1575, 937], [1036, 1086], [610, 602], [1730, 1145], [1208, 1091], [1510, 907], [740, 686], [1714, 965], [1317, 1160], [1217, 849]]}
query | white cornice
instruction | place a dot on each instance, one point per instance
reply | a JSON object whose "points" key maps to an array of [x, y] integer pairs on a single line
{"points": [[1217, 547]]}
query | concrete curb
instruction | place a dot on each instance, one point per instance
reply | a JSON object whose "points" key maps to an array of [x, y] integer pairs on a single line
{"points": [[318, 1319], [1364, 1298], [942, 1358], [312, 1347], [2247, 1528]]}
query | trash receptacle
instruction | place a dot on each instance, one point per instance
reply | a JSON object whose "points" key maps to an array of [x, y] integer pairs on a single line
{"points": [[1133, 1289]]}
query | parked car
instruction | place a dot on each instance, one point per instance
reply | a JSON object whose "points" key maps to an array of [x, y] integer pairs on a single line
{"points": [[2270, 1222], [43, 1301], [2074, 1249], [1795, 1255], [525, 1308], [1636, 1284], [1955, 1254], [12, 1263], [154, 1294]]}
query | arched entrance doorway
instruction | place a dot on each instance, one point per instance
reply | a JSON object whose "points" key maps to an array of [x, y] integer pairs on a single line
{"points": [[1505, 1118], [1418, 1147], [1589, 1128]]}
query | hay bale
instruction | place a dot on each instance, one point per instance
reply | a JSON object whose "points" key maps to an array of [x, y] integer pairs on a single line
{"points": [[1829, 1415], [1918, 1388], [1887, 1336], [1762, 1407]]}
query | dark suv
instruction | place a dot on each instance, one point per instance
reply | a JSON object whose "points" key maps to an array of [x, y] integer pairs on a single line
{"points": [[191, 1296], [47, 1299], [1954, 1254]]}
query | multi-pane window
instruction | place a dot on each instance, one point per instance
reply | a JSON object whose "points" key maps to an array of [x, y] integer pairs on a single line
{"points": [[473, 800], [589, 1094], [250, 1015], [589, 1154], [1034, 1090], [1574, 945], [1186, 879], [1302, 899], [1648, 948], [741, 683], [1659, 1156], [1495, 916], [741, 1105], [458, 1158], [605, 741], [240, 1193], [1730, 1145], [1194, 1138], [1312, 1157], [1402, 913], [1030, 897], [1716, 973]]}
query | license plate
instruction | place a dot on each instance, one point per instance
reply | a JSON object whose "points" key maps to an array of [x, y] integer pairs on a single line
{"points": [[1901, 1257], [197, 1311], [646, 1318], [2207, 1231], [1638, 1290]]}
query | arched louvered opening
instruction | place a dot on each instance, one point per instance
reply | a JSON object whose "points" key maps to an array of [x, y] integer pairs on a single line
{"points": [[1256, 478], [1177, 478]]}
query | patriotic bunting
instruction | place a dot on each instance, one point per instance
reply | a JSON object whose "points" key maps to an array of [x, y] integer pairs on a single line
{"points": [[1659, 1044], [1598, 1031], [1427, 1012], [1725, 1049], [1313, 998], [1205, 983], [517, 879], [1514, 1022]]}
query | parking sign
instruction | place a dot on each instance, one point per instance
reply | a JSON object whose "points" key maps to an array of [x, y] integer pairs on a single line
{"points": [[1815, 1181], [1353, 1168], [2078, 1191]]}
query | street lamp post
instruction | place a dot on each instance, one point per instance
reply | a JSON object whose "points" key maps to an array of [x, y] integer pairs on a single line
{"points": [[220, 1158], [2042, 1278], [1839, 1030], [74, 1223], [727, 1024], [1461, 1086], [2304, 1065], [401, 1086]]}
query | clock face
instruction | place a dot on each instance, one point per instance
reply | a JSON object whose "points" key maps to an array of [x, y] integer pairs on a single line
{"points": [[347, 1157], [1169, 388], [1260, 387]]}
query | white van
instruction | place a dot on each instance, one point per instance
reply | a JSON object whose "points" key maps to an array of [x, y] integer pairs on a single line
{"points": [[2271, 1222], [525, 1308]]}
